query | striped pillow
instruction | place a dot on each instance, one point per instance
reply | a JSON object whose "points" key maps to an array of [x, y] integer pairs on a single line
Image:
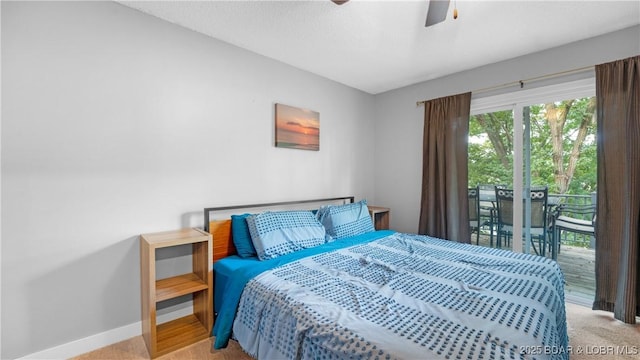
{"points": [[279, 233], [346, 220]]}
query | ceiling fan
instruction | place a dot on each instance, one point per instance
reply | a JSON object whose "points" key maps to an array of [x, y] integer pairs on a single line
{"points": [[436, 13]]}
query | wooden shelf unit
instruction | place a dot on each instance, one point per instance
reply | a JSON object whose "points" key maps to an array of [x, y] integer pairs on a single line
{"points": [[167, 337], [380, 217]]}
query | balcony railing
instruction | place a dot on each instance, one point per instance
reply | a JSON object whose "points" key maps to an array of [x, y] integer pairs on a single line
{"points": [[571, 238]]}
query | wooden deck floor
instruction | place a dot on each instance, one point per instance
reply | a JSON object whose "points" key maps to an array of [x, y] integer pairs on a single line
{"points": [[578, 266]]}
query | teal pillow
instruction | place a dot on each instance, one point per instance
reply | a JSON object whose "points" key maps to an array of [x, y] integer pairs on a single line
{"points": [[241, 236]]}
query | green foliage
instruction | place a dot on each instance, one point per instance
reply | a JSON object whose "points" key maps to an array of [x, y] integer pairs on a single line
{"points": [[486, 166]]}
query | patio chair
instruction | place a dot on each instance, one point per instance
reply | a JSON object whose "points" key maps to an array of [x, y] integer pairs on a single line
{"points": [[574, 218], [475, 223], [487, 197], [539, 229]]}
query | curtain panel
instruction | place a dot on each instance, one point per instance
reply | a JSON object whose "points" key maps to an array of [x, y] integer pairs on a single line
{"points": [[444, 209], [618, 199]]}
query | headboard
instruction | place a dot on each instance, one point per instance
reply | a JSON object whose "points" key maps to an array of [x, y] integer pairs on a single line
{"points": [[220, 229]]}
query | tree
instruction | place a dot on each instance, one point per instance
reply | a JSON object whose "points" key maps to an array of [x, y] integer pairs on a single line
{"points": [[499, 133], [487, 164], [562, 146], [556, 115]]}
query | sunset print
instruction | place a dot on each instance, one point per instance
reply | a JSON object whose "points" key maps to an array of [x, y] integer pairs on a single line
{"points": [[297, 128]]}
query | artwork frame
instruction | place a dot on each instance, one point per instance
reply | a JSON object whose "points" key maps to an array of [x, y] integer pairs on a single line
{"points": [[297, 128]]}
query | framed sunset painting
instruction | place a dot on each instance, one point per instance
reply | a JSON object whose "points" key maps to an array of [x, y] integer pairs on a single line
{"points": [[297, 128]]}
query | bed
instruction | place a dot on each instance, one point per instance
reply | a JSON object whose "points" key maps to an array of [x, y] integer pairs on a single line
{"points": [[369, 294]]}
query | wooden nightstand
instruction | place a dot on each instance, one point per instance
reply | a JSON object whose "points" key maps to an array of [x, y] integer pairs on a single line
{"points": [[164, 338], [380, 217]]}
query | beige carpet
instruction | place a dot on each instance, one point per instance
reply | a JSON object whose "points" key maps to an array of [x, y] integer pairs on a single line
{"points": [[597, 335], [593, 335]]}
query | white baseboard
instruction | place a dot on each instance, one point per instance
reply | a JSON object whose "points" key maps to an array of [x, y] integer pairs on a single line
{"points": [[97, 341]]}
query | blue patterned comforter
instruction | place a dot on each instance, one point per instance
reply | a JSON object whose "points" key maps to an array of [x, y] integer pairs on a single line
{"points": [[406, 297]]}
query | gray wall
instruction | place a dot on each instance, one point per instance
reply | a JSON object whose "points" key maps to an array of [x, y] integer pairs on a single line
{"points": [[399, 122], [115, 123]]}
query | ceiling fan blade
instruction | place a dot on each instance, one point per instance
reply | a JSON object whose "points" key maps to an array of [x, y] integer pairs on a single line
{"points": [[437, 12], [339, 2]]}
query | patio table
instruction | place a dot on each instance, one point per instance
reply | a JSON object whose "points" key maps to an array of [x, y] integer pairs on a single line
{"points": [[489, 196]]}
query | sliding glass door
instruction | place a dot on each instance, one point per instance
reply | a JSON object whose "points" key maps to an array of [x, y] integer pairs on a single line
{"points": [[537, 144], [490, 165], [527, 142], [496, 149]]}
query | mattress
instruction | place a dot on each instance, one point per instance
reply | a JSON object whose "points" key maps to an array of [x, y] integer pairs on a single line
{"points": [[390, 295]]}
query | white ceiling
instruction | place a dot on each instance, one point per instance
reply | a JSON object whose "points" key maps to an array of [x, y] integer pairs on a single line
{"points": [[377, 46]]}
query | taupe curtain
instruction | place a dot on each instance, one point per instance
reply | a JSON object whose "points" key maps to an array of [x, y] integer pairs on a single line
{"points": [[618, 222], [444, 209]]}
